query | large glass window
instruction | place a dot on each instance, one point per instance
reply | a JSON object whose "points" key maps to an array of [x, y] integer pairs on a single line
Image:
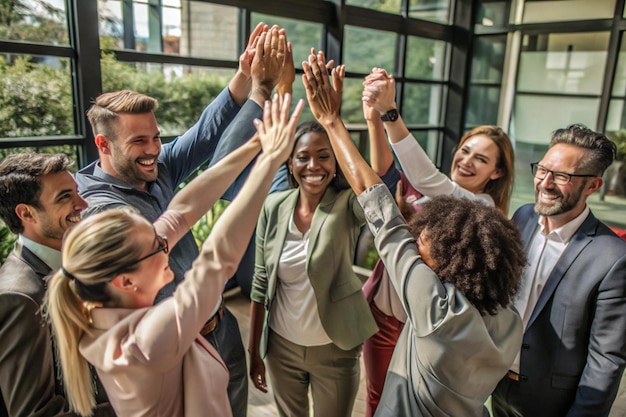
{"points": [[387, 6], [380, 51], [433, 10], [492, 13], [426, 59], [42, 21], [485, 81], [35, 96], [209, 30], [422, 104], [182, 91], [536, 116], [565, 10], [563, 63], [302, 35]]}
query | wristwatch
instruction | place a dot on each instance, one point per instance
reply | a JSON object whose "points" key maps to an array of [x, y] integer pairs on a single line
{"points": [[390, 116]]}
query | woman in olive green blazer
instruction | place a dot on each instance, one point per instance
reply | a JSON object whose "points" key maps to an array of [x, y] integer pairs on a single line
{"points": [[309, 316]]}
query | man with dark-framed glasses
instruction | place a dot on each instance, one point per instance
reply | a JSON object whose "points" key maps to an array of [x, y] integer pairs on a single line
{"points": [[572, 298]]}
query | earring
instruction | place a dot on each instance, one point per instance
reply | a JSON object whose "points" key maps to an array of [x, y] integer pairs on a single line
{"points": [[334, 175], [134, 288]]}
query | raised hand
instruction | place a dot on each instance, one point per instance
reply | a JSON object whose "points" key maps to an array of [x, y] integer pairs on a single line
{"points": [[379, 90], [268, 63], [288, 76], [245, 59], [277, 130], [323, 96]]}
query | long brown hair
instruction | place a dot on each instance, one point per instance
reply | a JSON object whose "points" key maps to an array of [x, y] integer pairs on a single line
{"points": [[501, 188]]}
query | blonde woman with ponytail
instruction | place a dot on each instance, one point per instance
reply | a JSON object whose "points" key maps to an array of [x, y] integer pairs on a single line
{"points": [[151, 359]]}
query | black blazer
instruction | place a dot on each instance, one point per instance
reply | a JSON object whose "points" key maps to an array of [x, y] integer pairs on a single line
{"points": [[574, 347]]}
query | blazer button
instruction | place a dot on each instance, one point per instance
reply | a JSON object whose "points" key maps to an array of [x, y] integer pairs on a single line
{"points": [[523, 378], [525, 346]]}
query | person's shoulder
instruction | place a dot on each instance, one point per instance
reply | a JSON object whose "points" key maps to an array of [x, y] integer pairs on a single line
{"points": [[608, 235], [524, 213], [278, 197], [19, 281]]}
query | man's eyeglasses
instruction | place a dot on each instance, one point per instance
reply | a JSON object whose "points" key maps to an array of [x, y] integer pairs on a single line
{"points": [[559, 178], [163, 247]]}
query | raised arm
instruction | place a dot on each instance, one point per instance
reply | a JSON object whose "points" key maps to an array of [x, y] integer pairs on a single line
{"points": [[380, 93], [197, 197], [324, 100], [268, 63], [381, 156], [239, 85], [231, 234]]}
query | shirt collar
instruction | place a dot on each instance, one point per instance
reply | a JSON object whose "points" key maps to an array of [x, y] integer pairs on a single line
{"points": [[566, 231], [50, 256]]}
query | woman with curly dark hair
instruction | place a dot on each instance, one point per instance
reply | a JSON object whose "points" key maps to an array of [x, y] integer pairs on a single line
{"points": [[474, 247], [456, 284]]}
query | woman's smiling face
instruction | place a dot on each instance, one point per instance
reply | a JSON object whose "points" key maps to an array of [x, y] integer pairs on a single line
{"points": [[475, 163], [313, 163]]}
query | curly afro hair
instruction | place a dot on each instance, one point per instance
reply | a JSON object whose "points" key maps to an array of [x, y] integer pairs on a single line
{"points": [[475, 248]]}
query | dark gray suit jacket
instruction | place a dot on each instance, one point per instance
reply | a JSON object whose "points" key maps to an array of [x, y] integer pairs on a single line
{"points": [[27, 371], [574, 347]]}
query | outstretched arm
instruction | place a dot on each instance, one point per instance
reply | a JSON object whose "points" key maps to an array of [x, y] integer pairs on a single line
{"points": [[380, 93], [231, 234], [381, 156], [239, 85], [197, 197], [324, 100]]}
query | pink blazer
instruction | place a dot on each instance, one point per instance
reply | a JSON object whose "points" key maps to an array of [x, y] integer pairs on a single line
{"points": [[153, 361]]}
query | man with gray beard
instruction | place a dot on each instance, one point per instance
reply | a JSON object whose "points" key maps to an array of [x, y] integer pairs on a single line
{"points": [[572, 298]]}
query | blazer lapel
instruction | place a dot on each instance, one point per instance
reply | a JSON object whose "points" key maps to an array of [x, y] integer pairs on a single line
{"points": [[319, 217], [580, 240], [285, 212], [37, 265]]}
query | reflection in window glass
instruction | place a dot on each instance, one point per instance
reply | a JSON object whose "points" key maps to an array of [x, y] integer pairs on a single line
{"points": [[535, 117], [433, 10], [482, 107], [35, 96], [189, 28], [111, 24], [302, 35], [563, 63], [387, 6], [488, 59], [422, 104], [209, 30], [536, 11], [41, 21], [361, 59], [426, 59], [492, 13], [182, 91]]}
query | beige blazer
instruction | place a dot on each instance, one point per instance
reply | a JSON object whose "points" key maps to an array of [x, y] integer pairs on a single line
{"points": [[343, 310], [153, 361]]}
